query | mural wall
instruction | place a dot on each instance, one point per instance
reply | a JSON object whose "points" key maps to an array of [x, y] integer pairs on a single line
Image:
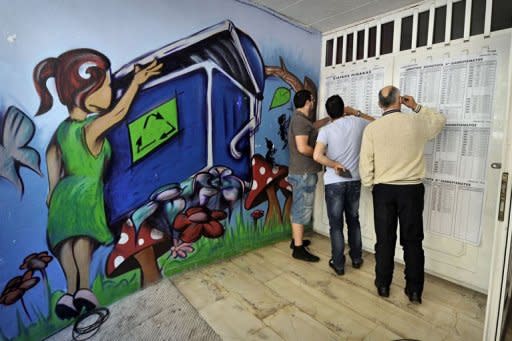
{"points": [[137, 140]]}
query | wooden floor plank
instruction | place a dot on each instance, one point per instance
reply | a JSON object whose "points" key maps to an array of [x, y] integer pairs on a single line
{"points": [[468, 302], [467, 329], [255, 266], [231, 320], [267, 295], [200, 290], [368, 304], [261, 300], [292, 324], [337, 317], [266, 333], [381, 334]]}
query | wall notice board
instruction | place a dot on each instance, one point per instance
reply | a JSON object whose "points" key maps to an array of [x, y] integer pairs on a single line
{"points": [[469, 83]]}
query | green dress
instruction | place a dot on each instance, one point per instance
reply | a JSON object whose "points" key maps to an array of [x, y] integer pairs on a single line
{"points": [[76, 205]]}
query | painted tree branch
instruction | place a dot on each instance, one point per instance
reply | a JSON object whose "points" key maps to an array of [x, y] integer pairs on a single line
{"points": [[292, 80], [283, 73], [310, 85]]}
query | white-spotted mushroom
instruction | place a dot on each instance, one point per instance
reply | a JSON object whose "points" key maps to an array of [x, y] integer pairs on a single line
{"points": [[265, 179], [138, 250]]}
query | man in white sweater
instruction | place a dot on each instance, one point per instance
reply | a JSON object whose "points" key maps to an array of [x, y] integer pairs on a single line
{"points": [[392, 162]]}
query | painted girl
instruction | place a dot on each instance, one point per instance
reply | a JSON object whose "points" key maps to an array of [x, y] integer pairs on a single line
{"points": [[76, 158]]}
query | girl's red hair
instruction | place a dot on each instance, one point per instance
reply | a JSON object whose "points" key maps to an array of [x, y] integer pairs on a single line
{"points": [[78, 73]]}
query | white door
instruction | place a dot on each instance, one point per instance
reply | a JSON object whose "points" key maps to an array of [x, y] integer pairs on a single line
{"points": [[447, 254], [500, 283]]}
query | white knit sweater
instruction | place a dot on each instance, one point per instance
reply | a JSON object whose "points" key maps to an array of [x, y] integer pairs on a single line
{"points": [[393, 146]]}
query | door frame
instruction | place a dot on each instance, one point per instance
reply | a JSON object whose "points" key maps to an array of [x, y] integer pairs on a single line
{"points": [[500, 261]]}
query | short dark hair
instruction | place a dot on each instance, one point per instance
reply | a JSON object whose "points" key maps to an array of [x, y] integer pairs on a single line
{"points": [[386, 101], [300, 98], [335, 106]]}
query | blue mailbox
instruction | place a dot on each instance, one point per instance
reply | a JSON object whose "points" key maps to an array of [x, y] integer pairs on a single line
{"points": [[199, 112]]}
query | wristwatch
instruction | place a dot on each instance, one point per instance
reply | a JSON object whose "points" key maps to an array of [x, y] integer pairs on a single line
{"points": [[359, 113]]}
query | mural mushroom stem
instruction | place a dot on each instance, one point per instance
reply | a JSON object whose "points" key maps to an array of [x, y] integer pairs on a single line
{"points": [[138, 250], [286, 189], [265, 178]]}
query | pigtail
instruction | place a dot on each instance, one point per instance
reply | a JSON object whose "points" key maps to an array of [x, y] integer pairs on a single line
{"points": [[78, 73], [43, 71]]}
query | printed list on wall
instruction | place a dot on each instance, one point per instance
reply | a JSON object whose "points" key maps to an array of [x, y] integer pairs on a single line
{"points": [[462, 89], [358, 89]]}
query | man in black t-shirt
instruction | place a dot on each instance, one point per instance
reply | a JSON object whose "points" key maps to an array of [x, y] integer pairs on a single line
{"points": [[303, 170]]}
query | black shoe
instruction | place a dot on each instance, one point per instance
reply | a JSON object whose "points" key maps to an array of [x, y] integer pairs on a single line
{"points": [[300, 252], [382, 290], [305, 242], [356, 264], [339, 272], [414, 296]]}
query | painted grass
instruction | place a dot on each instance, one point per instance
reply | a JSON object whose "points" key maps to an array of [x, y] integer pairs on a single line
{"points": [[107, 291], [246, 236], [46, 324], [241, 235]]}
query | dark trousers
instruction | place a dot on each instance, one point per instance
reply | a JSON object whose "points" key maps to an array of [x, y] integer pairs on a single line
{"points": [[404, 204]]}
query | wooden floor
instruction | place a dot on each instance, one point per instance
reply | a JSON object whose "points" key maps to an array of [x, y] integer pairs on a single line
{"points": [[267, 295]]}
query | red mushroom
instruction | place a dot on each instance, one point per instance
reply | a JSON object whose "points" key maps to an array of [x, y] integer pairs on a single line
{"points": [[138, 250], [265, 178], [286, 189]]}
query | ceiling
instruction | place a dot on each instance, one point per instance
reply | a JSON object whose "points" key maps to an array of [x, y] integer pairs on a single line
{"points": [[326, 15]]}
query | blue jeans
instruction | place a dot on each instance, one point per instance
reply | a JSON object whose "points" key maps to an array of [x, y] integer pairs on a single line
{"points": [[343, 197], [303, 197]]}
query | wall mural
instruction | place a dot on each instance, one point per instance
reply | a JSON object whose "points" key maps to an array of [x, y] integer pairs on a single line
{"points": [[155, 163]]}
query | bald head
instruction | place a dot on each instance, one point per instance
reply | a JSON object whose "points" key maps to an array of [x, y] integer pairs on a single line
{"points": [[389, 97]]}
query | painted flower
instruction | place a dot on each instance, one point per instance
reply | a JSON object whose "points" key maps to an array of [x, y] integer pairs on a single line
{"points": [[16, 288], [257, 214], [37, 261], [163, 206], [199, 221], [181, 249], [218, 188]]}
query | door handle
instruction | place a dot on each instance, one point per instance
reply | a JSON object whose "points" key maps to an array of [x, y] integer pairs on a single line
{"points": [[503, 196]]}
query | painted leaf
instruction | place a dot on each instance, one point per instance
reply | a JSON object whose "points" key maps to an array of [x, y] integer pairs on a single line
{"points": [[18, 130], [281, 97]]}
